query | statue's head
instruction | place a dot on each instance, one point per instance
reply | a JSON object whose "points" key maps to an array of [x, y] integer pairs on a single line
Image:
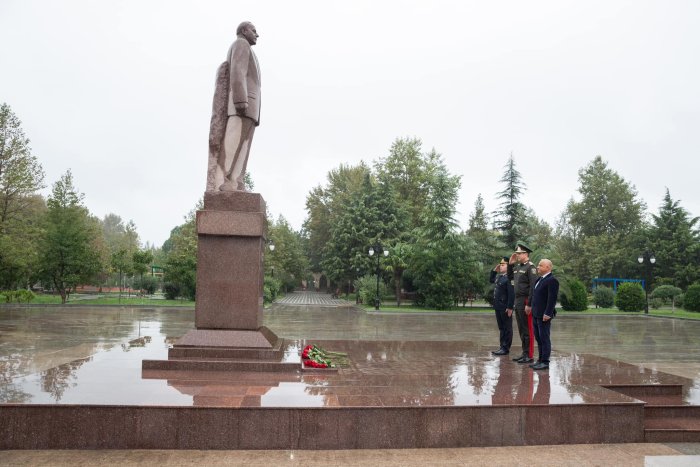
{"points": [[247, 31]]}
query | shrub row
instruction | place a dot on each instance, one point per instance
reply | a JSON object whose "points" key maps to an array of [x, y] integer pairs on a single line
{"points": [[19, 296]]}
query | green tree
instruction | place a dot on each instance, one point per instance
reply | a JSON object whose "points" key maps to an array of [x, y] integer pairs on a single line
{"points": [[141, 261], [486, 239], [21, 175], [287, 260], [21, 208], [120, 261], [608, 205], [601, 235], [538, 233], [113, 230], [180, 277], [122, 243], [396, 263], [409, 173], [511, 216], [324, 205], [675, 240], [69, 254], [667, 293], [442, 258], [20, 245], [371, 216], [479, 221]]}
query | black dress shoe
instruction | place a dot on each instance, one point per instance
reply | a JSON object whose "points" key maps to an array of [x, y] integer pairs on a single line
{"points": [[532, 365], [500, 352], [526, 360], [517, 359], [541, 366]]}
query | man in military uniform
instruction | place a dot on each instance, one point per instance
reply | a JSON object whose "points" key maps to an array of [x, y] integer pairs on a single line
{"points": [[523, 275], [503, 299]]}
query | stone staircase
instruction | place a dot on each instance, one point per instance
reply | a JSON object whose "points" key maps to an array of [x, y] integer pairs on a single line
{"points": [[666, 418]]}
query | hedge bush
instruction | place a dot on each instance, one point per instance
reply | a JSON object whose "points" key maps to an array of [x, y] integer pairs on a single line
{"points": [[630, 297], [603, 297], [576, 299], [271, 289], [366, 287], [19, 296], [680, 300], [171, 291], [668, 294], [691, 301]]}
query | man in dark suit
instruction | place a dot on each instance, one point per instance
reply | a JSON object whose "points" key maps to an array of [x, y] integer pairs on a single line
{"points": [[544, 301], [503, 299]]}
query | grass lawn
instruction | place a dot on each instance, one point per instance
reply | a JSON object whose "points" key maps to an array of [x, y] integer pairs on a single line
{"points": [[480, 308], [104, 299], [131, 301], [408, 308], [386, 307]]}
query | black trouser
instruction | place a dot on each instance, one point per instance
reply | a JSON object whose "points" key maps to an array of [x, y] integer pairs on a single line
{"points": [[523, 325], [544, 342], [505, 328]]}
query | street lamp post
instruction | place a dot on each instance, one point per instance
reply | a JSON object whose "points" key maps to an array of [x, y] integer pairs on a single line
{"points": [[377, 248], [648, 260], [271, 246]]}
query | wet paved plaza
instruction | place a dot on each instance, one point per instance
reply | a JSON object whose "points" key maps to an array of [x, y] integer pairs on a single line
{"points": [[83, 355]]}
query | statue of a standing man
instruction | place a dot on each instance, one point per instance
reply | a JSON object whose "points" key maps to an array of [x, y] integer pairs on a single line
{"points": [[235, 113]]}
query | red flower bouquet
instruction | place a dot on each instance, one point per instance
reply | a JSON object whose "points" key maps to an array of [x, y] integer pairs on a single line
{"points": [[314, 356]]}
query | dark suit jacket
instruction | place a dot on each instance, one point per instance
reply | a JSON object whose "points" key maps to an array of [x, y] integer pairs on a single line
{"points": [[544, 297]]}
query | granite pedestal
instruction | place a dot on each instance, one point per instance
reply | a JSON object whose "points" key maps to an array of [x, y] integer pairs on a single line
{"points": [[228, 311]]}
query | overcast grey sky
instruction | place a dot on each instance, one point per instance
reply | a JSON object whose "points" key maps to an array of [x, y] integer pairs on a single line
{"points": [[120, 92]]}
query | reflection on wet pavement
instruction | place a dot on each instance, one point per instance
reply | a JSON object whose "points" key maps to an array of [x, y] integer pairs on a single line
{"points": [[93, 356]]}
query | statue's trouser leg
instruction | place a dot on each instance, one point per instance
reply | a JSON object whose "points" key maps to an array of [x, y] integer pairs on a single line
{"points": [[237, 140]]}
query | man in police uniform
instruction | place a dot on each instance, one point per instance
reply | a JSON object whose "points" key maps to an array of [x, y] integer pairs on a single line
{"points": [[523, 275], [503, 299]]}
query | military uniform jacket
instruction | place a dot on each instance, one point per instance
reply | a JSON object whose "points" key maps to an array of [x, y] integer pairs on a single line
{"points": [[523, 277], [503, 294]]}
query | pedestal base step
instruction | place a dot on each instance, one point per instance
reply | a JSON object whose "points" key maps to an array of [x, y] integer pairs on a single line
{"points": [[209, 353], [261, 338], [256, 350], [220, 365]]}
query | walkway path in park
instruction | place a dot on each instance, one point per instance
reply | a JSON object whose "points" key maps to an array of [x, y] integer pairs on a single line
{"points": [[311, 298]]}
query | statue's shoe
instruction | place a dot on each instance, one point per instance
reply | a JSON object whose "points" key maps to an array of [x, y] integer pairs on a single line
{"points": [[228, 185]]}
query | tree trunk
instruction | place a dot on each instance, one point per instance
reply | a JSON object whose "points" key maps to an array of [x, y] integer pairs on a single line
{"points": [[61, 290], [397, 281]]}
